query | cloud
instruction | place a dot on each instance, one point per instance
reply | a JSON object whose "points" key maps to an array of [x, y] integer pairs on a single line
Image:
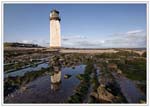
{"points": [[88, 43], [25, 41], [76, 37], [84, 43], [134, 31], [102, 41], [129, 39], [65, 39]]}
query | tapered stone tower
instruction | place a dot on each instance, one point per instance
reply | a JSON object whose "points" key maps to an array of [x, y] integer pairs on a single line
{"points": [[55, 35]]}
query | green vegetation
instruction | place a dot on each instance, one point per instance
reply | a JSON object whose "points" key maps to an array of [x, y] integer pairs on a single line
{"points": [[16, 53], [107, 55], [19, 65], [135, 69], [130, 63], [94, 80], [82, 88], [119, 54], [127, 53], [110, 85]]}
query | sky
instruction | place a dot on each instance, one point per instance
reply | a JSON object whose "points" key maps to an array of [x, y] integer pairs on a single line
{"points": [[82, 25]]}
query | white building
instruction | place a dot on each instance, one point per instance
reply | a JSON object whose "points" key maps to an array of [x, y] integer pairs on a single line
{"points": [[55, 35]]}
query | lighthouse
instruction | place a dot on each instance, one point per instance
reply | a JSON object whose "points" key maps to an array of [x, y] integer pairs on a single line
{"points": [[55, 35]]}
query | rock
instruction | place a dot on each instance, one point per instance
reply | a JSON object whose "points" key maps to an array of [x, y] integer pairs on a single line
{"points": [[56, 68], [66, 76], [119, 71], [102, 85], [94, 94], [73, 67], [142, 101], [112, 66], [51, 73], [23, 88], [103, 95], [11, 95]]}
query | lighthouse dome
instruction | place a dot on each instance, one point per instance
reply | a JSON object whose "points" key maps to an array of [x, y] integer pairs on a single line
{"points": [[54, 15]]}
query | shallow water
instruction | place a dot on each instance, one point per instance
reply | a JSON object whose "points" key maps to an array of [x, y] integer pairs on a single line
{"points": [[49, 88], [21, 72], [129, 89]]}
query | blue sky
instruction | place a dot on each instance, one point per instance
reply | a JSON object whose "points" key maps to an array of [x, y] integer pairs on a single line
{"points": [[82, 25]]}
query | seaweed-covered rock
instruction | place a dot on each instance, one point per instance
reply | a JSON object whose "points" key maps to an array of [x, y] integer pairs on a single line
{"points": [[119, 71], [66, 76], [103, 95]]}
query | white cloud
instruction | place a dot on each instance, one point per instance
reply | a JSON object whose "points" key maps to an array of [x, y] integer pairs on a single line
{"points": [[129, 39], [102, 41], [133, 39], [134, 31], [26, 41], [76, 37]]}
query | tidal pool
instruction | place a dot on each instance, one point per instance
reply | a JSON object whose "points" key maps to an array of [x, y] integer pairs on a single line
{"points": [[21, 72], [50, 88], [129, 89]]}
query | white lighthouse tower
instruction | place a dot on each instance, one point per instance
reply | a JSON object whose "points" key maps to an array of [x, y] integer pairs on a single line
{"points": [[55, 35]]}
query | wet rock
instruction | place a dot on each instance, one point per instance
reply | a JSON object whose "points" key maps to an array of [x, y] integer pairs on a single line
{"points": [[94, 94], [119, 71], [112, 66], [103, 95], [73, 67], [142, 101], [66, 76], [56, 68], [11, 95], [23, 88]]}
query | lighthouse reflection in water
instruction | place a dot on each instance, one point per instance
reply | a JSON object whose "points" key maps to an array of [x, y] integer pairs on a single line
{"points": [[55, 80]]}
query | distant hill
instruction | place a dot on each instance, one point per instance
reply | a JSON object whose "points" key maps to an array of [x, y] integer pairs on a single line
{"points": [[25, 45]]}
